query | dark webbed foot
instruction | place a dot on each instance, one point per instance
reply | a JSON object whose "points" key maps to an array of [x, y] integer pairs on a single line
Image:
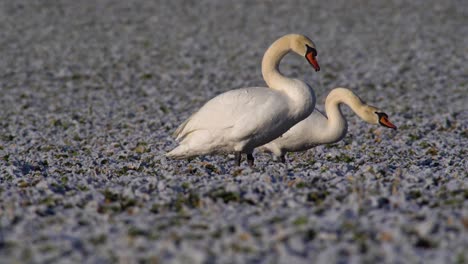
{"points": [[250, 159], [237, 159]]}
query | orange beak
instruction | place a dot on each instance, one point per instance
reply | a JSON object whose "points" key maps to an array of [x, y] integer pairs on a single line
{"points": [[386, 123], [311, 59]]}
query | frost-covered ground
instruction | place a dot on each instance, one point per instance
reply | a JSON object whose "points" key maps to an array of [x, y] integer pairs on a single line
{"points": [[91, 90]]}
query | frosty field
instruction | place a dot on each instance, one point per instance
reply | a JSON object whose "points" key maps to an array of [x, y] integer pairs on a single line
{"points": [[92, 90]]}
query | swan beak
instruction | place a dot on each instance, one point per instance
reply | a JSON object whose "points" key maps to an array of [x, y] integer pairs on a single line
{"points": [[313, 61], [386, 123]]}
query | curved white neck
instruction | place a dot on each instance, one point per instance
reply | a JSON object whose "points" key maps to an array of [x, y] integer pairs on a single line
{"points": [[301, 95], [336, 124], [271, 61]]}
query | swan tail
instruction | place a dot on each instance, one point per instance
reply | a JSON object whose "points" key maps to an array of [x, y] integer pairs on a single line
{"points": [[271, 148], [196, 143], [180, 152], [180, 132], [264, 148]]}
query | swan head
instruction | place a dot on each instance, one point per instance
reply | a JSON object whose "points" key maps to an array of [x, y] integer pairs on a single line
{"points": [[376, 116], [383, 120], [303, 46]]}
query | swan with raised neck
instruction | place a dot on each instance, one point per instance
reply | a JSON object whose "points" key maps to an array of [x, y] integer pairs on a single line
{"points": [[319, 128], [240, 120]]}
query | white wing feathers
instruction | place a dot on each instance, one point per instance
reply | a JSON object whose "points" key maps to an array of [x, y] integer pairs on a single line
{"points": [[242, 110]]}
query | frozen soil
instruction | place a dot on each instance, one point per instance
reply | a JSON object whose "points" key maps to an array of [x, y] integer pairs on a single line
{"points": [[91, 91]]}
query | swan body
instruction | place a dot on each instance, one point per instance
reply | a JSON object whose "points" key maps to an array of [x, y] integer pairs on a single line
{"points": [[318, 128], [243, 119]]}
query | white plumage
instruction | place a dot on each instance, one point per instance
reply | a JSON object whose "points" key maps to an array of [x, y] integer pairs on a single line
{"points": [[318, 128], [243, 119]]}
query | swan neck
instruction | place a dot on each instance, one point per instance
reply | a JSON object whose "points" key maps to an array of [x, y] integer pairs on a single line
{"points": [[336, 121], [299, 95], [271, 61]]}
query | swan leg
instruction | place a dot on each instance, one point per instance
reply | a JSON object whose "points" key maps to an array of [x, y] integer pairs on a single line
{"points": [[250, 159], [237, 159], [283, 158]]}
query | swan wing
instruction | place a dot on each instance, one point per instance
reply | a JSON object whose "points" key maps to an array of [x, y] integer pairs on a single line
{"points": [[243, 111], [304, 135]]}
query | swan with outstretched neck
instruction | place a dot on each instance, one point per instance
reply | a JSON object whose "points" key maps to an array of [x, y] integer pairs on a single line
{"points": [[240, 120], [318, 129]]}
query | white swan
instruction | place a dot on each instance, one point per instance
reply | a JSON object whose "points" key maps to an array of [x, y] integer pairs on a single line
{"points": [[317, 129], [243, 119]]}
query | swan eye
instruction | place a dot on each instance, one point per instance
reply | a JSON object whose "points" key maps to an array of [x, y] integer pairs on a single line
{"points": [[310, 49], [380, 115]]}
